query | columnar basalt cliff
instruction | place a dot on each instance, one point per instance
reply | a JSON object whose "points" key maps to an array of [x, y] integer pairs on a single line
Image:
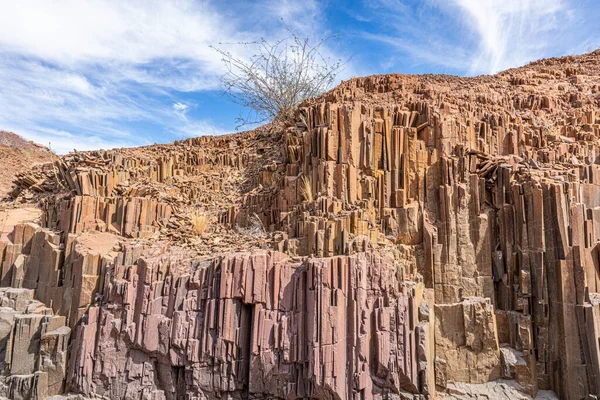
{"points": [[409, 237]]}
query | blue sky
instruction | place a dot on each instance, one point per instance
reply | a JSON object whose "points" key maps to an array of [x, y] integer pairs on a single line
{"points": [[100, 74]]}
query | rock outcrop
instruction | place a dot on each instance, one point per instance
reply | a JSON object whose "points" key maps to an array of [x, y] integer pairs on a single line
{"points": [[408, 237], [33, 347], [18, 155], [253, 323]]}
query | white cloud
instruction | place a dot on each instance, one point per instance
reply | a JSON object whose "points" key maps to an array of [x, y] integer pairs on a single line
{"points": [[511, 32], [484, 36], [180, 106], [180, 110], [73, 32]]}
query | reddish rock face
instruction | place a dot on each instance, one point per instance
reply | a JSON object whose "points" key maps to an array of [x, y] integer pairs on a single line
{"points": [[408, 237], [254, 324], [18, 155], [33, 345]]}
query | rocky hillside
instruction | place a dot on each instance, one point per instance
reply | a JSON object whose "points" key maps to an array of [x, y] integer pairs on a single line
{"points": [[18, 155], [408, 237]]}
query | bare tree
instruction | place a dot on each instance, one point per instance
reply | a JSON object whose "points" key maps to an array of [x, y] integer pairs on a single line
{"points": [[277, 77]]}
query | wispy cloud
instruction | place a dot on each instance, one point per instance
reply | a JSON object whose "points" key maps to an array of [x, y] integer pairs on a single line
{"points": [[117, 33], [484, 36], [512, 32]]}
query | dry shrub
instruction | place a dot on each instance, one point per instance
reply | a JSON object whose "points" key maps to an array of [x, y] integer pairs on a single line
{"points": [[277, 77], [306, 189], [199, 222]]}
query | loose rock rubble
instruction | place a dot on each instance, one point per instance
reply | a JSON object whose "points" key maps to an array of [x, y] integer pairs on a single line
{"points": [[18, 155], [409, 237]]}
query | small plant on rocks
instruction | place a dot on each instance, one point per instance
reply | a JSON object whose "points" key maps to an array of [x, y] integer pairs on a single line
{"points": [[277, 77], [199, 222]]}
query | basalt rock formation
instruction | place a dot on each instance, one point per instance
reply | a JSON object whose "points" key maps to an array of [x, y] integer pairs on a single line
{"points": [[409, 237], [18, 155]]}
